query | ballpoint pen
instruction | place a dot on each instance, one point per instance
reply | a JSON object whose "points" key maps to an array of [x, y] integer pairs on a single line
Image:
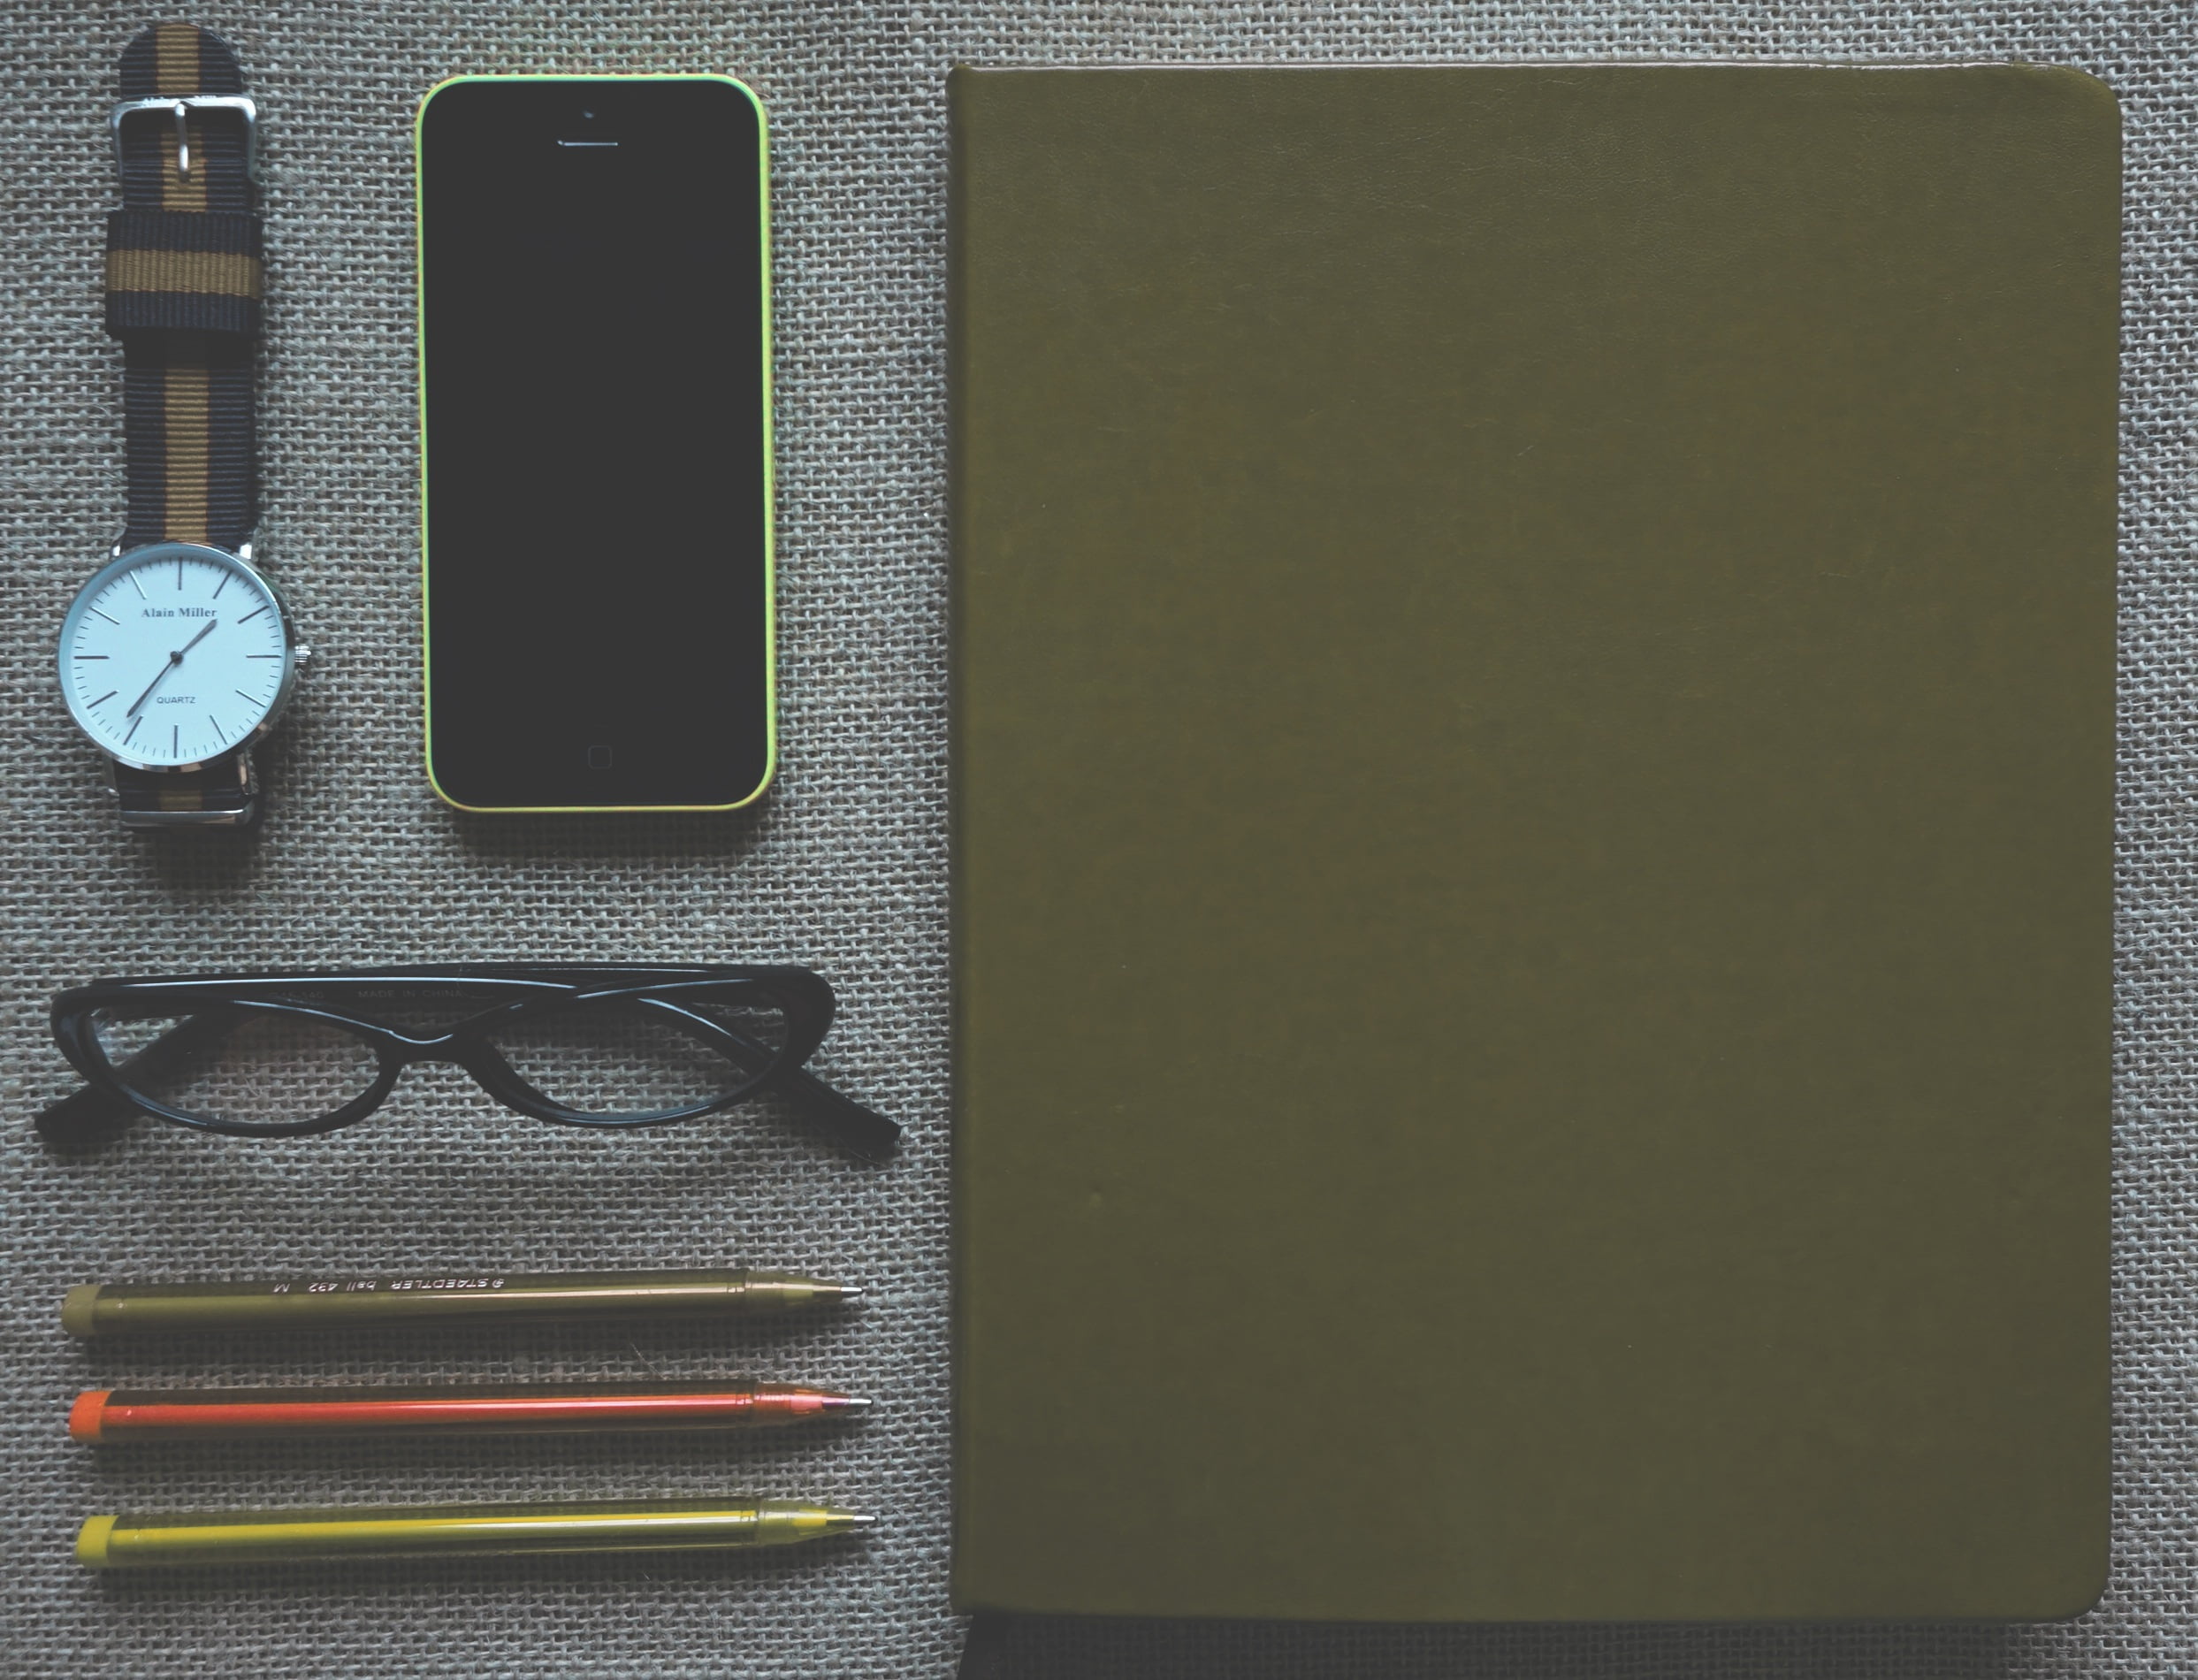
{"points": [[111, 1417], [186, 1538], [94, 1310]]}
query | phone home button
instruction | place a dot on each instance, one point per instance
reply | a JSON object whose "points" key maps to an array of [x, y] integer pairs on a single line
{"points": [[598, 757]]}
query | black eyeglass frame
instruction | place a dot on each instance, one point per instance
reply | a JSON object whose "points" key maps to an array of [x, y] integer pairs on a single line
{"points": [[508, 991]]}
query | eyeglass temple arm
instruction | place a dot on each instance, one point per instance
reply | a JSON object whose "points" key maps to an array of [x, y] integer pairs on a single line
{"points": [[864, 1130], [84, 1120]]}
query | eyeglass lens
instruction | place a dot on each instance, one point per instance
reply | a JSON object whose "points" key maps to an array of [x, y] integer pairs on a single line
{"points": [[628, 1058], [238, 1067]]}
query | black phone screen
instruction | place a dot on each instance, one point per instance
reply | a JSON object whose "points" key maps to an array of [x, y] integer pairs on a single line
{"points": [[595, 410]]}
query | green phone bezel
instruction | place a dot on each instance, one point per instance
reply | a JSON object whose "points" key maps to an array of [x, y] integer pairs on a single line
{"points": [[770, 481]]}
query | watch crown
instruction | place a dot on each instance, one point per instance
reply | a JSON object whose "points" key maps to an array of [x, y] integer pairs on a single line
{"points": [[302, 657]]}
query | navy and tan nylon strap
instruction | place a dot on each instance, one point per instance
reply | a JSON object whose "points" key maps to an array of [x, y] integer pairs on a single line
{"points": [[228, 786], [183, 295]]}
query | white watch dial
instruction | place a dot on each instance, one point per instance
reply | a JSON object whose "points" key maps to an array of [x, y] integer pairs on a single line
{"points": [[173, 654]]}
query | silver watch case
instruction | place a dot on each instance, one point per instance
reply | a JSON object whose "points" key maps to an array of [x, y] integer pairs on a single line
{"points": [[294, 658]]}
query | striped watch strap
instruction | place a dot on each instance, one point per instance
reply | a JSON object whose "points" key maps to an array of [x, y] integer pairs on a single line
{"points": [[183, 295]]}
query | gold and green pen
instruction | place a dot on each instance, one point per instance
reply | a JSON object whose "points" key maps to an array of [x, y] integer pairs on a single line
{"points": [[199, 1537], [93, 1311]]}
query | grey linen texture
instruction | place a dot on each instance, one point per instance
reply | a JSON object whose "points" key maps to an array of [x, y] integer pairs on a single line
{"points": [[844, 868]]}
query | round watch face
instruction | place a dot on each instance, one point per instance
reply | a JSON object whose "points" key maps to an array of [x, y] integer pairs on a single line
{"points": [[173, 654]]}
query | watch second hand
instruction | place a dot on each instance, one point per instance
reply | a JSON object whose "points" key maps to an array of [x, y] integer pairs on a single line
{"points": [[174, 660]]}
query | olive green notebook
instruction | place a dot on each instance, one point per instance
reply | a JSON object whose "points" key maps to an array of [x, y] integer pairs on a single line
{"points": [[1533, 770]]}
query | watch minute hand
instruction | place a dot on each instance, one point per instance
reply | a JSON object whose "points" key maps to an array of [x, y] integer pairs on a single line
{"points": [[174, 660]]}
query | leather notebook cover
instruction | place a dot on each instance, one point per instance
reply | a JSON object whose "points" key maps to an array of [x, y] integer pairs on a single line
{"points": [[1533, 770]]}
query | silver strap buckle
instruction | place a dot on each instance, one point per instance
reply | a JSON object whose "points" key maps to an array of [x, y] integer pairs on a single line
{"points": [[180, 106]]}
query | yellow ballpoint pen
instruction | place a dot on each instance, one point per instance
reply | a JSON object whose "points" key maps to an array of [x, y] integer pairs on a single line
{"points": [[200, 1538]]}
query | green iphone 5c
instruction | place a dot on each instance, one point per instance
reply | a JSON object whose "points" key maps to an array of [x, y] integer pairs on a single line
{"points": [[595, 411]]}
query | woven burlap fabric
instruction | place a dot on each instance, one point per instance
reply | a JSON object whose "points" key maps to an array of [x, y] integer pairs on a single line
{"points": [[844, 868]]}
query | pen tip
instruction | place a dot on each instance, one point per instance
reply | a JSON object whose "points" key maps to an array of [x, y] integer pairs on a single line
{"points": [[847, 1403], [793, 1290]]}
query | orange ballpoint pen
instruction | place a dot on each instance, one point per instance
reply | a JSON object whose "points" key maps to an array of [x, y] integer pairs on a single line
{"points": [[110, 1416]]}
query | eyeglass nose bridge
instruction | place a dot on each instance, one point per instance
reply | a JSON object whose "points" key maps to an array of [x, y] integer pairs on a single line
{"points": [[398, 1051], [403, 1050]]}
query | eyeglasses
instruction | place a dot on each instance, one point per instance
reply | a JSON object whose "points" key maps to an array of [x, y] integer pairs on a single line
{"points": [[614, 1045]]}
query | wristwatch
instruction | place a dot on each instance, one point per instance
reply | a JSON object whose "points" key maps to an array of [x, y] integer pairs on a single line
{"points": [[179, 653]]}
